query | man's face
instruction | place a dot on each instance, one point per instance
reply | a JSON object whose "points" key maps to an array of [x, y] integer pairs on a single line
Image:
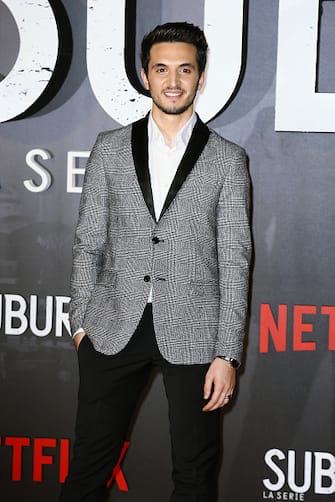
{"points": [[173, 77]]}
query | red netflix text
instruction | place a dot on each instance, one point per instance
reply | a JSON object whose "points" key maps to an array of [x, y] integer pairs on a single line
{"points": [[52, 452], [298, 335]]}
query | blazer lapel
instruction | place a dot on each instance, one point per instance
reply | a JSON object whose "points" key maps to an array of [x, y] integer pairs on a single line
{"points": [[139, 141], [193, 151], [139, 144]]}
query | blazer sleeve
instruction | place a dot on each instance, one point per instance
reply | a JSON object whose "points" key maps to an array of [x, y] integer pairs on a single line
{"points": [[90, 236], [234, 254]]}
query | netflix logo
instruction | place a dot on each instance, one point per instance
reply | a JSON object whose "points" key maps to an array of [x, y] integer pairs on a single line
{"points": [[293, 328], [29, 458], [40, 453]]}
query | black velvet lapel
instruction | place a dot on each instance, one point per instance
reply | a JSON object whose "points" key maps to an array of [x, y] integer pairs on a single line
{"points": [[139, 141], [139, 144], [193, 151]]}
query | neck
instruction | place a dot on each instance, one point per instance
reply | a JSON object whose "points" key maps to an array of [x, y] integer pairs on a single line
{"points": [[170, 124]]}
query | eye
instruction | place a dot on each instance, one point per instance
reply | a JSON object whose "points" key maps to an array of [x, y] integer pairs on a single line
{"points": [[185, 70], [161, 70]]}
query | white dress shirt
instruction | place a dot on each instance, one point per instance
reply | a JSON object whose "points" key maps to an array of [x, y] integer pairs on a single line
{"points": [[164, 161]]}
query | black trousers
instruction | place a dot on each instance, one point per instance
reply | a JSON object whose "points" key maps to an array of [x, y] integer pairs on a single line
{"points": [[109, 390]]}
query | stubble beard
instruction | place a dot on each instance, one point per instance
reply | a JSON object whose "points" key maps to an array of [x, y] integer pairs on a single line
{"points": [[174, 110]]}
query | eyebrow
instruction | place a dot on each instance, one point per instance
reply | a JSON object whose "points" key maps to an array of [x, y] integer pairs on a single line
{"points": [[182, 65], [188, 65]]}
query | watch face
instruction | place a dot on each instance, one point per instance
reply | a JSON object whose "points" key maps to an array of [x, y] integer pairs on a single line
{"points": [[235, 364]]}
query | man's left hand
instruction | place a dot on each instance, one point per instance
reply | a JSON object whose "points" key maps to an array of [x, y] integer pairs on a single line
{"points": [[219, 385]]}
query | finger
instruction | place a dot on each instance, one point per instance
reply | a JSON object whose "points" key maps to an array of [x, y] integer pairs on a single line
{"points": [[219, 404], [208, 387], [222, 400], [226, 398], [212, 404]]}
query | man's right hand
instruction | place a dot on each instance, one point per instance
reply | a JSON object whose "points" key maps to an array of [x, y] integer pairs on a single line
{"points": [[78, 338]]}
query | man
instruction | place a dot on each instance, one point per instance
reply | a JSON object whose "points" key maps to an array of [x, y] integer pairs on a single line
{"points": [[160, 275]]}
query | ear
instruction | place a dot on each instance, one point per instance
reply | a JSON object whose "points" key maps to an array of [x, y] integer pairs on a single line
{"points": [[145, 79], [201, 81]]}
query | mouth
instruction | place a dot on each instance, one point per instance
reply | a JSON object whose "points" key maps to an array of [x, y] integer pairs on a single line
{"points": [[173, 93]]}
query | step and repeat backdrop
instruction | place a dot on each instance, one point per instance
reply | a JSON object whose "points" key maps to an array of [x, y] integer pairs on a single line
{"points": [[69, 69]]}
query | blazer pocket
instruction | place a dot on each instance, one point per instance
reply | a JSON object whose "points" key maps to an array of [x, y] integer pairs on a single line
{"points": [[103, 291], [107, 278], [204, 288]]}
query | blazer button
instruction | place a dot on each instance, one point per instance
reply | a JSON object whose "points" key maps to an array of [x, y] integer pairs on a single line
{"points": [[146, 278], [155, 240]]}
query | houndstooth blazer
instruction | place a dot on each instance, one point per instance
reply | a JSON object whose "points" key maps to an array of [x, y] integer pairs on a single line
{"points": [[195, 257]]}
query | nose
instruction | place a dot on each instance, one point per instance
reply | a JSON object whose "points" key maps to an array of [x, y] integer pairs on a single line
{"points": [[173, 79]]}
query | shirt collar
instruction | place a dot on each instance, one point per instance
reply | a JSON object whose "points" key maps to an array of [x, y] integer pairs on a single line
{"points": [[182, 138]]}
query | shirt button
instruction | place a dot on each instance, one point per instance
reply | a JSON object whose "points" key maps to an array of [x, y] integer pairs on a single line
{"points": [[146, 278], [155, 240]]}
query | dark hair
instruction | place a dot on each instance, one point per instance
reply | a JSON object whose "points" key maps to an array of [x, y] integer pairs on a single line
{"points": [[175, 32]]}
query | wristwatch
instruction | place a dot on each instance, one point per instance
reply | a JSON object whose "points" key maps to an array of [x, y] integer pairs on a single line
{"points": [[233, 362]]}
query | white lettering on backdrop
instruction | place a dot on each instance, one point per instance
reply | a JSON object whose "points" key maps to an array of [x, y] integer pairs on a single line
{"points": [[298, 106], [43, 173], [36, 60], [105, 60], [321, 471], [19, 315], [223, 26]]}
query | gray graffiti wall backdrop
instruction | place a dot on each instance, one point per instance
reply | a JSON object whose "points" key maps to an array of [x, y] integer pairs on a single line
{"points": [[69, 69]]}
